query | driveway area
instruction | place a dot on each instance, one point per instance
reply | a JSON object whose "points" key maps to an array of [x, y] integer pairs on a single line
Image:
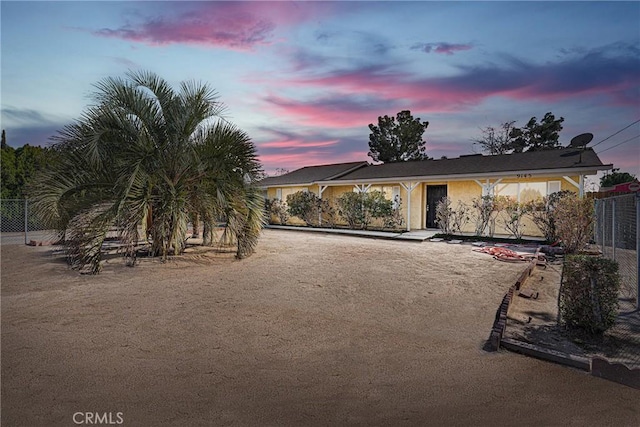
{"points": [[313, 329]]}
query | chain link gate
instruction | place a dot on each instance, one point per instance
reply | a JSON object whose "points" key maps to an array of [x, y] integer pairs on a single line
{"points": [[617, 235]]}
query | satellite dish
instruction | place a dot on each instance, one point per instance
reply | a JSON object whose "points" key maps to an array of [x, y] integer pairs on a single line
{"points": [[581, 140]]}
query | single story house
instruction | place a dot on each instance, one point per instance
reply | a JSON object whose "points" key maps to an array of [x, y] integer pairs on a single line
{"points": [[422, 184]]}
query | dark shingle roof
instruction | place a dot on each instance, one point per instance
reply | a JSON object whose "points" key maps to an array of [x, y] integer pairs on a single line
{"points": [[567, 158], [563, 160], [310, 174]]}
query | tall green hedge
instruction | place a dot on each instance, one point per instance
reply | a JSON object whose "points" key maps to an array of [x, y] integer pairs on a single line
{"points": [[589, 293]]}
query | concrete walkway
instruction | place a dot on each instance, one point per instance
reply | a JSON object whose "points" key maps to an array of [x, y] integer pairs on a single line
{"points": [[414, 235]]}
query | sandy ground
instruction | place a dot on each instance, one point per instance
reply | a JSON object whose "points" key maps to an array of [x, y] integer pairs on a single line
{"points": [[311, 330]]}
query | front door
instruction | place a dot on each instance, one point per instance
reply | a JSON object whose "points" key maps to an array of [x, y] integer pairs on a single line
{"points": [[435, 193]]}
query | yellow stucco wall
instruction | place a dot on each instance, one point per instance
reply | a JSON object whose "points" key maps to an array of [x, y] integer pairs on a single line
{"points": [[458, 191]]}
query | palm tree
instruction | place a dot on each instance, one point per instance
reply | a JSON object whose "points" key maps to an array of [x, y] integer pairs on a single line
{"points": [[144, 159]]}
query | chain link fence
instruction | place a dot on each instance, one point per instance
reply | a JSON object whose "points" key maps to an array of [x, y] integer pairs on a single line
{"points": [[617, 236], [18, 225]]}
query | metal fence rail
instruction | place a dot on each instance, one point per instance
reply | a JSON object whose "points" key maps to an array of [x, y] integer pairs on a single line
{"points": [[617, 235]]}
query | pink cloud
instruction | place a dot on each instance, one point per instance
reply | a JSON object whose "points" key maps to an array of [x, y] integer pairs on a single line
{"points": [[232, 25], [341, 112], [298, 144]]}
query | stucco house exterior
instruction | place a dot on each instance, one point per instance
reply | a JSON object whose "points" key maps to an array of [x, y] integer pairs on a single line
{"points": [[422, 184]]}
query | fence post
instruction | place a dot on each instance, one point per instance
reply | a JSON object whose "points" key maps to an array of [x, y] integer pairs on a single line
{"points": [[26, 222], [613, 228], [638, 249]]}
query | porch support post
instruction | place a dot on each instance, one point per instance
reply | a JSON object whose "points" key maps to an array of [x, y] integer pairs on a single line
{"points": [[409, 186], [321, 189], [362, 188], [488, 186], [578, 185]]}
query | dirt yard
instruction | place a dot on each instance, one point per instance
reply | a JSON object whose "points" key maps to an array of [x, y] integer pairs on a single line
{"points": [[311, 330]]}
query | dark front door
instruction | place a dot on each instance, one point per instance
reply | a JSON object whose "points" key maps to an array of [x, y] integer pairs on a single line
{"points": [[435, 193]]}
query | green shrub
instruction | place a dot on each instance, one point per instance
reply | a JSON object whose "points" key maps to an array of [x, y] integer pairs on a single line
{"points": [[359, 209], [351, 208], [588, 297], [310, 208], [304, 205]]}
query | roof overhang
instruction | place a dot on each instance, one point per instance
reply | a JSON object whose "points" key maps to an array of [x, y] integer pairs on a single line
{"points": [[591, 170], [303, 184]]}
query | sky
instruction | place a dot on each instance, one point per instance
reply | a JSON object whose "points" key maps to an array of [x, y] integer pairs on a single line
{"points": [[305, 79]]}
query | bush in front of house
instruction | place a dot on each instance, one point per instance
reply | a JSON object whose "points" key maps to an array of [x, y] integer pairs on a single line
{"points": [[278, 208], [311, 209], [588, 297], [573, 218], [304, 205], [451, 220], [511, 214], [543, 213], [485, 207], [359, 209]]}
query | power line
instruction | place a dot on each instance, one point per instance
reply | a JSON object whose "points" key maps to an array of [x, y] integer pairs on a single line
{"points": [[620, 143], [610, 136]]}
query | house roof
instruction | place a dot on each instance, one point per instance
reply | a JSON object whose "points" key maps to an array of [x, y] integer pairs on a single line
{"points": [[560, 161], [311, 174]]}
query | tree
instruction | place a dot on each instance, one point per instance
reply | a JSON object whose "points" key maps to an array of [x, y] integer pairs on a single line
{"points": [[536, 136], [496, 141], [142, 159], [615, 177], [19, 166], [3, 141], [397, 139], [8, 173]]}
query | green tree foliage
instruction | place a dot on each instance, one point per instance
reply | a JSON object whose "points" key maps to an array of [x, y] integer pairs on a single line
{"points": [[616, 177], [8, 174], [397, 139], [19, 167], [536, 136], [589, 293], [143, 158]]}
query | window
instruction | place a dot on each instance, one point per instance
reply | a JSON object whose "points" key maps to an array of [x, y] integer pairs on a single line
{"points": [[394, 194], [553, 187], [524, 192], [279, 193]]}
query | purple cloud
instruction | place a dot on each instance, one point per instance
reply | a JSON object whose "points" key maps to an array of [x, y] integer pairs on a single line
{"points": [[442, 47]]}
